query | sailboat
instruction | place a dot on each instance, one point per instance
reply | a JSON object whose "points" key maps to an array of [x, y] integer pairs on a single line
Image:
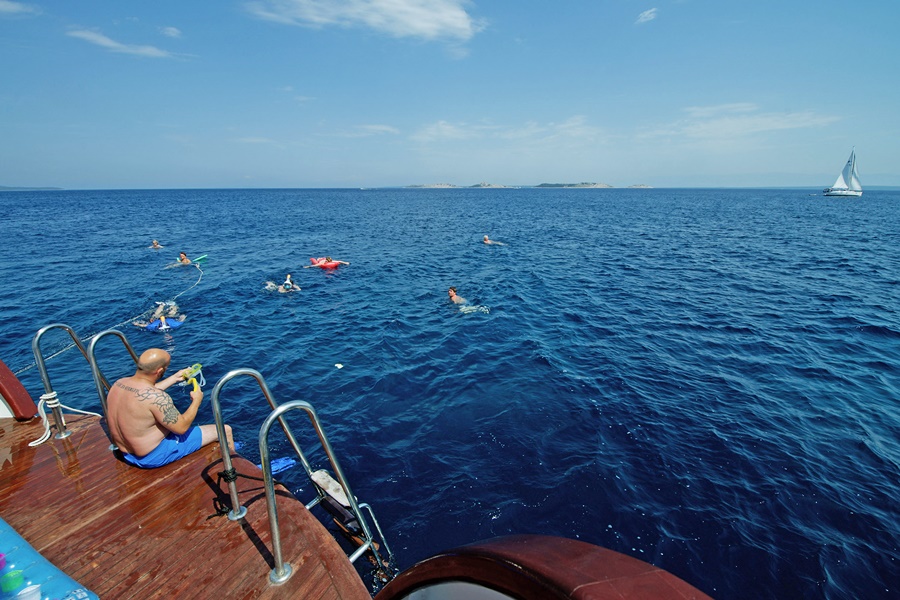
{"points": [[847, 183]]}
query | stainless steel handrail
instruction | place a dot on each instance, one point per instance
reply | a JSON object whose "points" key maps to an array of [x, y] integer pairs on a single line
{"points": [[281, 573], [237, 511], [58, 418], [99, 380]]}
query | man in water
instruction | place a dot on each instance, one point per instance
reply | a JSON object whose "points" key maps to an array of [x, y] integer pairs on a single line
{"points": [[454, 298], [144, 422], [492, 242], [182, 258], [157, 320], [155, 245]]}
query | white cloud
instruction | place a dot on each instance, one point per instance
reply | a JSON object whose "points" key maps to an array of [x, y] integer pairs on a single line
{"points": [[442, 130], [172, 32], [647, 15], [364, 131], [101, 40], [379, 129], [425, 19], [18, 8], [574, 128], [704, 112], [255, 140], [730, 121]]}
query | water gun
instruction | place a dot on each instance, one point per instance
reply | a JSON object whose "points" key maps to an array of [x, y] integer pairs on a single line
{"points": [[194, 371]]}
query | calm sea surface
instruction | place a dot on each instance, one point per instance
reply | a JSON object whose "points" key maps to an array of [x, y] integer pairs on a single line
{"points": [[707, 380]]}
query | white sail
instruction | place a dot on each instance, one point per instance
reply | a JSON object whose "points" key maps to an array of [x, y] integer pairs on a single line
{"points": [[840, 183], [847, 183], [850, 174]]}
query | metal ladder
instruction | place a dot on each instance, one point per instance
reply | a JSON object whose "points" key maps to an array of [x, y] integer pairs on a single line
{"points": [[50, 395], [320, 479]]}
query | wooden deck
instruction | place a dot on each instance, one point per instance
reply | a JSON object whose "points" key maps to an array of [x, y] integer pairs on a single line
{"points": [[124, 532]]}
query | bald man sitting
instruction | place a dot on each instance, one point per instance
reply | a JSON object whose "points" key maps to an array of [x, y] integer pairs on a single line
{"points": [[144, 422]]}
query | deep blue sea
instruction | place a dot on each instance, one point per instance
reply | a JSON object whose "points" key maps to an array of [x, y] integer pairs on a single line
{"points": [[706, 380]]}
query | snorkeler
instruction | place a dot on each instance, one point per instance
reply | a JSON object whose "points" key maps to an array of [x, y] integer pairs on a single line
{"points": [[288, 285]]}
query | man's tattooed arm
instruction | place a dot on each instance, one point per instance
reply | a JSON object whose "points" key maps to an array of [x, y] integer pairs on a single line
{"points": [[163, 402]]}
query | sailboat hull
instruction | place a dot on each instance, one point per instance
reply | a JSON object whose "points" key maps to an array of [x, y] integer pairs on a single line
{"points": [[853, 193]]}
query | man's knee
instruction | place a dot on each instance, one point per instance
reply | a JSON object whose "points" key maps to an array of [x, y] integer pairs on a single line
{"points": [[211, 434]]}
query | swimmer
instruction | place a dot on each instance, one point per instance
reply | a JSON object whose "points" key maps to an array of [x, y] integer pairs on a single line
{"points": [[491, 242], [183, 259], [330, 261], [167, 309], [454, 297], [164, 316], [155, 245], [288, 285], [161, 323]]}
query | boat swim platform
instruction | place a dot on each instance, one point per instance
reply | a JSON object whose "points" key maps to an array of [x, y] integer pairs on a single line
{"points": [[124, 532]]}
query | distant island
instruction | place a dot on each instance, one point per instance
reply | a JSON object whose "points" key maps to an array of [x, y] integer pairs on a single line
{"points": [[583, 184], [450, 185], [4, 188]]}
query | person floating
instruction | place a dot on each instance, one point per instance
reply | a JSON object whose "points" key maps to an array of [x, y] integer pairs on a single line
{"points": [[155, 245], [168, 309], [166, 316], [490, 242], [183, 259], [145, 424], [161, 323], [456, 299], [325, 263]]}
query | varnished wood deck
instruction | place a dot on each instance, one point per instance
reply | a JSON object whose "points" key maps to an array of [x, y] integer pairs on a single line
{"points": [[124, 532]]}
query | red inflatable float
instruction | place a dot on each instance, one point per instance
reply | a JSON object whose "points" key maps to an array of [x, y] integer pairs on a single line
{"points": [[16, 396], [326, 263]]}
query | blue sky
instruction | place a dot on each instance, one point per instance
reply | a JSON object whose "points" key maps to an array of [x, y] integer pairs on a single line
{"points": [[356, 93]]}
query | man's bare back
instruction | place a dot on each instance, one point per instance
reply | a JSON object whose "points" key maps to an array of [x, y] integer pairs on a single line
{"points": [[132, 421], [141, 415]]}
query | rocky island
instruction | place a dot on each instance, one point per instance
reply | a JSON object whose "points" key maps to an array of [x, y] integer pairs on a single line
{"points": [[584, 184]]}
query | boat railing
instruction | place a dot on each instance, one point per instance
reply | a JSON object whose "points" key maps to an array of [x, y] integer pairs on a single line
{"points": [[51, 397], [99, 380], [282, 571]]}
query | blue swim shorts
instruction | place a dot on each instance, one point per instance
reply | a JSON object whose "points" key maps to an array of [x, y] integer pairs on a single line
{"points": [[170, 449]]}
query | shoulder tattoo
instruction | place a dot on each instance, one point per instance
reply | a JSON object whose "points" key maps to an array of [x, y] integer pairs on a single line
{"points": [[157, 397]]}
